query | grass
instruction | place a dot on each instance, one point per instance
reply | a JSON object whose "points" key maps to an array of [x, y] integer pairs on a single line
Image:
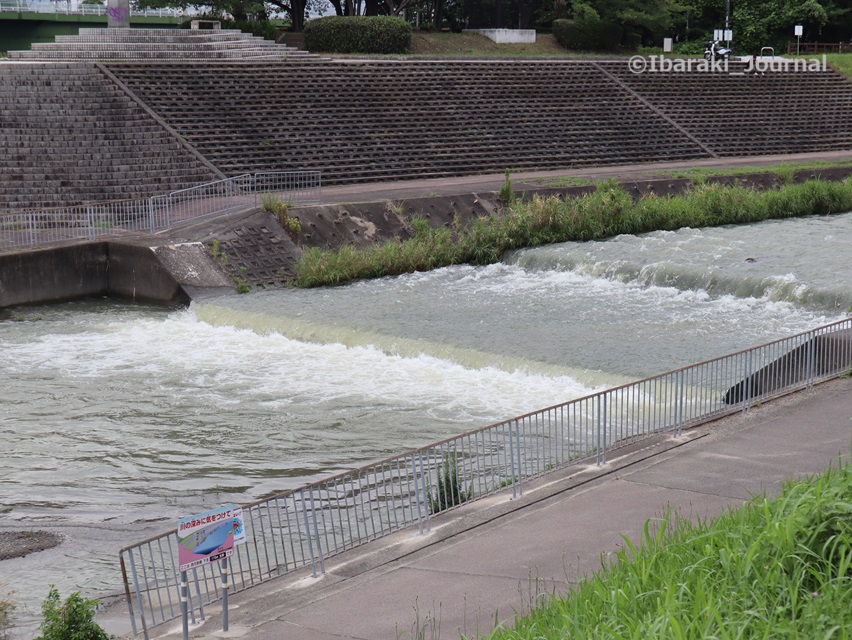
{"points": [[782, 168], [562, 181], [425, 43], [7, 609], [840, 61], [774, 568], [607, 212]]}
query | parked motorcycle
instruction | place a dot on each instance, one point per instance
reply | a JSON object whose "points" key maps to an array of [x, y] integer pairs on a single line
{"points": [[714, 50]]}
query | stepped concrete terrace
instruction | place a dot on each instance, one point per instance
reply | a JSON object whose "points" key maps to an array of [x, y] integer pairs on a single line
{"points": [[70, 135], [159, 44], [743, 113], [360, 120]]}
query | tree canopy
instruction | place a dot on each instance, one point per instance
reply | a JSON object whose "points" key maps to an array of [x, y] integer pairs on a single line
{"points": [[755, 23]]}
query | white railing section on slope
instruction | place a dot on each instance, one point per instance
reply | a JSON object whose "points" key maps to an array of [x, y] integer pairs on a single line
{"points": [[149, 215], [78, 8], [300, 529]]}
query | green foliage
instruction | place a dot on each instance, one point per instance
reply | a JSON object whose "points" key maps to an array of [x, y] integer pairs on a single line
{"points": [[606, 212], [506, 194], [281, 210], [358, 34], [587, 34], [7, 608], [449, 490], [71, 620], [778, 568], [218, 254]]}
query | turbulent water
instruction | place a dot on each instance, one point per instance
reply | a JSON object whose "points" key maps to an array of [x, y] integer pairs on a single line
{"points": [[117, 419]]}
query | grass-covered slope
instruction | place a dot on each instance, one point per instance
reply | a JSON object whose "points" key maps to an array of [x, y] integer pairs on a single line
{"points": [[779, 568], [607, 212]]}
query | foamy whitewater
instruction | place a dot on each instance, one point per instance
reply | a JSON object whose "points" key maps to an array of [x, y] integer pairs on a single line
{"points": [[117, 419]]}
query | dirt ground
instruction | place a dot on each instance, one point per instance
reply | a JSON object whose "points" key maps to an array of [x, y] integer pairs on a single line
{"points": [[14, 544]]}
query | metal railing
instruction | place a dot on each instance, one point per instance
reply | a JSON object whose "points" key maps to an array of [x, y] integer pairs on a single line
{"points": [[818, 47], [75, 8], [302, 528], [149, 215]]}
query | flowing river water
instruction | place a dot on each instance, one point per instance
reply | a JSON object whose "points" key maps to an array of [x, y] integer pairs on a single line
{"points": [[116, 419]]}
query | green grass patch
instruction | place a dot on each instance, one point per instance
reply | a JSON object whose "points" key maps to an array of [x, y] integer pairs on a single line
{"points": [[774, 568], [842, 62], [468, 44], [782, 168], [607, 212], [562, 181]]}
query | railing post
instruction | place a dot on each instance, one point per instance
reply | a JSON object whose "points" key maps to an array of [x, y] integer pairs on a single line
{"points": [[520, 460], [316, 530], [90, 221], [308, 532], [747, 383], [512, 473], [425, 491], [151, 224], [139, 602], [31, 229], [417, 495], [809, 373]]}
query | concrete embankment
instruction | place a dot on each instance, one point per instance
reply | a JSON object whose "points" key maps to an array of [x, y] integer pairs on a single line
{"points": [[166, 274], [252, 248]]}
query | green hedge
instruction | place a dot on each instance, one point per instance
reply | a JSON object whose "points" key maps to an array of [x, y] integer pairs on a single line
{"points": [[358, 34], [588, 35]]}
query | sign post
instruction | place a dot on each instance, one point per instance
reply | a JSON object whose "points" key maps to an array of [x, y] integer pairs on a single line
{"points": [[797, 31], [204, 538]]}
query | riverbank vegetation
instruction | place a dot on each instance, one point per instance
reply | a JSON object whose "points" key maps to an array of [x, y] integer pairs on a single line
{"points": [[607, 212], [779, 568]]}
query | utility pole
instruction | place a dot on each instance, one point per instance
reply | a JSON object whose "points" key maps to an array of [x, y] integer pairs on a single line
{"points": [[728, 21]]}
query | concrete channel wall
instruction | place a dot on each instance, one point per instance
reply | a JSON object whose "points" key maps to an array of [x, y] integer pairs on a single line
{"points": [[169, 275]]}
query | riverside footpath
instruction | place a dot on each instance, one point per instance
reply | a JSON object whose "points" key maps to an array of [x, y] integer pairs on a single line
{"points": [[486, 561]]}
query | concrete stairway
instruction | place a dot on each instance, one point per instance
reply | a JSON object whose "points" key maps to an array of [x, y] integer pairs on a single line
{"points": [[70, 135], [159, 44], [369, 120], [742, 113]]}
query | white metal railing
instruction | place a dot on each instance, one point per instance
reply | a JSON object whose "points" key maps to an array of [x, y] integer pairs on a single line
{"points": [[149, 215], [302, 528], [78, 8]]}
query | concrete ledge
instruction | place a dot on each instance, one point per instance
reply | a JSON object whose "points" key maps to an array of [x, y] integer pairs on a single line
{"points": [[508, 36]]}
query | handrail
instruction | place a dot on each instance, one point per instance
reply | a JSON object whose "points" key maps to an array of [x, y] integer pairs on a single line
{"points": [[303, 527], [149, 215], [69, 8]]}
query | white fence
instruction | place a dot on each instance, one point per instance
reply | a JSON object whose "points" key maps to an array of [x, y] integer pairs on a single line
{"points": [[302, 528], [43, 226]]}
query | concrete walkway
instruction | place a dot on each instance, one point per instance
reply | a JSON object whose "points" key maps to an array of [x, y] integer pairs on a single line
{"points": [[426, 187], [491, 558]]}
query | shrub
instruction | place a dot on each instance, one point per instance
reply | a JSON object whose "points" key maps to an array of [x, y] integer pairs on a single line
{"points": [[281, 210], [358, 34], [587, 34], [506, 194], [73, 620], [7, 608], [449, 490]]}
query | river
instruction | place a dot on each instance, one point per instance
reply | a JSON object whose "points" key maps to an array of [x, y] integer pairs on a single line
{"points": [[116, 419]]}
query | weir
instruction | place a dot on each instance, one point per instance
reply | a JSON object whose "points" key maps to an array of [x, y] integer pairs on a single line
{"points": [[820, 355]]}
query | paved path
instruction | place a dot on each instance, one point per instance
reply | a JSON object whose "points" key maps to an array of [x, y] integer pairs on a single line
{"points": [[377, 192], [496, 556]]}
